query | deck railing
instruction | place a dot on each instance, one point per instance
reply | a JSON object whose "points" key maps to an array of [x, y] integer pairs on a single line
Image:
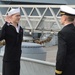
{"points": [[34, 67]]}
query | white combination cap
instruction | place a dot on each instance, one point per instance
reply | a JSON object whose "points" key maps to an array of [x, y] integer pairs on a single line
{"points": [[67, 10], [14, 11]]}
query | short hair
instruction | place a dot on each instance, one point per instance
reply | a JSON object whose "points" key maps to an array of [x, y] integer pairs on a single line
{"points": [[71, 18]]}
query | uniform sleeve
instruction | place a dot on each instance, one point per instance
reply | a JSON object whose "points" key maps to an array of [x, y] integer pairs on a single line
{"points": [[61, 53], [2, 33]]}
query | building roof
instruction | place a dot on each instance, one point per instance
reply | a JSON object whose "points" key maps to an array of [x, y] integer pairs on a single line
{"points": [[43, 1], [38, 1], [71, 2]]}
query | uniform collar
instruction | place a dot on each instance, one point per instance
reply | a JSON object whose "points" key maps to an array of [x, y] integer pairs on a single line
{"points": [[17, 28]]}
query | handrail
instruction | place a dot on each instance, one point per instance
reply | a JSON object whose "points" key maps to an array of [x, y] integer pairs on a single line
{"points": [[43, 6], [34, 67]]}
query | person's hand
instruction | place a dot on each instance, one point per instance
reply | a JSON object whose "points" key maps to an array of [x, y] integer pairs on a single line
{"points": [[7, 19]]}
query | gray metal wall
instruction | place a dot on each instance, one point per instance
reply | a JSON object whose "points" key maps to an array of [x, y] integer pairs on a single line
{"points": [[34, 67]]}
